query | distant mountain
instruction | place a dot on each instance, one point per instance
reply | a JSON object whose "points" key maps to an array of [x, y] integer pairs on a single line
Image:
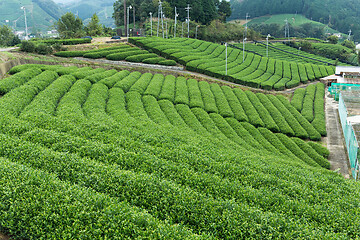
{"points": [[342, 15], [41, 14], [85, 9]]}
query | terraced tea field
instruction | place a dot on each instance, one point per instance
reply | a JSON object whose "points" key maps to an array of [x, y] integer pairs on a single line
{"points": [[94, 154], [122, 52], [251, 69], [286, 53]]}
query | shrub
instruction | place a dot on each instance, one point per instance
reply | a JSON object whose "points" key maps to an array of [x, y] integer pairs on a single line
{"points": [[27, 46], [154, 60], [43, 49], [140, 57], [167, 63]]}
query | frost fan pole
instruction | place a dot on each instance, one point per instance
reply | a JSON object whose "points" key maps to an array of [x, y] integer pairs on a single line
{"points": [[188, 19], [125, 18]]}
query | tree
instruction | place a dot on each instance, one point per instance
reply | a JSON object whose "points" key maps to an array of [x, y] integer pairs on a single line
{"points": [[224, 10], [333, 39], [69, 26], [7, 37], [349, 44], [94, 28]]}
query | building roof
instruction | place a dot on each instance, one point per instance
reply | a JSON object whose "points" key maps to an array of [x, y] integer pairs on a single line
{"points": [[346, 69]]}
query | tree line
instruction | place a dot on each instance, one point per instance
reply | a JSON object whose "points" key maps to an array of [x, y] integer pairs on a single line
{"points": [[339, 14], [202, 11]]}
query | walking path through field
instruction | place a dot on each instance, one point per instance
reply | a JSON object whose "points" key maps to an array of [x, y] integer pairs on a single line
{"points": [[338, 156]]}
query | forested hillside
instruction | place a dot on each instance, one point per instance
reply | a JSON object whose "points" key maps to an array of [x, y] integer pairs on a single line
{"points": [[342, 15], [41, 14], [202, 11]]}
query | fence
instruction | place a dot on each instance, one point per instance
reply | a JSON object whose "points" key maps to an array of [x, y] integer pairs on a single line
{"points": [[337, 87], [352, 144]]}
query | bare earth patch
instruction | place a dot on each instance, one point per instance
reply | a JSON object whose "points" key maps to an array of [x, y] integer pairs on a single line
{"points": [[4, 237]]}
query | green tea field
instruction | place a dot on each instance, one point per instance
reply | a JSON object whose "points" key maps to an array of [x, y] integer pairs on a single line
{"points": [[89, 153], [244, 68]]}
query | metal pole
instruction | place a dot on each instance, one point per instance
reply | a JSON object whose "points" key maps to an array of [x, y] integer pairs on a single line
{"points": [[134, 16], [267, 45], [246, 26], [226, 56], [176, 15], [125, 18], [244, 49], [162, 21], [127, 33], [188, 18], [26, 28], [158, 26], [197, 31], [151, 22]]}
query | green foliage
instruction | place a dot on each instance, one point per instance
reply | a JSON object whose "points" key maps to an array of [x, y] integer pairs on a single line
{"points": [[208, 58], [348, 44], [308, 103], [149, 163], [298, 98], [7, 37], [43, 49], [167, 62], [343, 13], [27, 46], [17, 80], [323, 151], [333, 39], [202, 11], [69, 26], [93, 28]]}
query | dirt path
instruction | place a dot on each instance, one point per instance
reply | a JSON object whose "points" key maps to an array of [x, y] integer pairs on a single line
{"points": [[337, 158]]}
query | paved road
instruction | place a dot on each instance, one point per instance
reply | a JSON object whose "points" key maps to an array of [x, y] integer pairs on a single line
{"points": [[7, 49], [338, 157]]}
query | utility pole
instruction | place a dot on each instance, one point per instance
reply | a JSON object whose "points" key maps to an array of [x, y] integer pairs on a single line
{"points": [[151, 22], [287, 29], [128, 16], [26, 28], [244, 49], [160, 15], [226, 56], [162, 22], [267, 45], [176, 15], [125, 18], [196, 32], [134, 16], [188, 18], [166, 29], [349, 36], [158, 26], [246, 24]]}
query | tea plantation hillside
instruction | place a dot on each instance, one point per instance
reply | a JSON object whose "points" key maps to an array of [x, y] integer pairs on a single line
{"points": [[94, 154], [284, 52], [249, 69]]}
